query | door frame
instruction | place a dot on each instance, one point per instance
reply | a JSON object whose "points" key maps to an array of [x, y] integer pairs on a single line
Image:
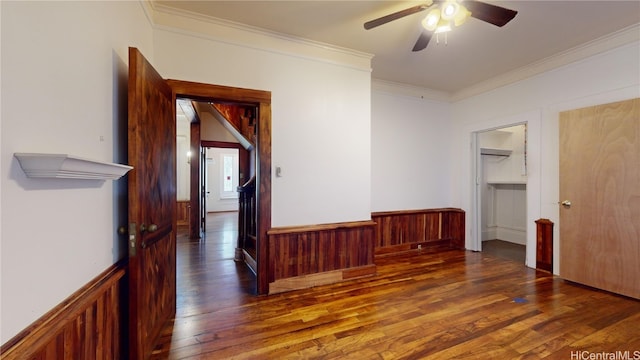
{"points": [[533, 119], [243, 161], [262, 100], [478, 173]]}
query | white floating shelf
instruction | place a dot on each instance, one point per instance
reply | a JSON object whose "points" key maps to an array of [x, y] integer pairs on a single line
{"points": [[63, 166]]}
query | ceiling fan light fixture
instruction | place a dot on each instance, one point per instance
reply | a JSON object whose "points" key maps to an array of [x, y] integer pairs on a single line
{"points": [[443, 26], [432, 20], [450, 9], [462, 16]]}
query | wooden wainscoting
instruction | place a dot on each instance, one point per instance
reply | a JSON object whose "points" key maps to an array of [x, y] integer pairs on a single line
{"points": [[87, 325], [182, 212], [411, 230], [306, 256]]}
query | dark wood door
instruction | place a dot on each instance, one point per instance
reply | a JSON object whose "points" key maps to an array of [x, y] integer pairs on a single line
{"points": [[152, 202]]}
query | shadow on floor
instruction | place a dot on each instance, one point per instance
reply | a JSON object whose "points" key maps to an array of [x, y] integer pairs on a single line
{"points": [[505, 250]]}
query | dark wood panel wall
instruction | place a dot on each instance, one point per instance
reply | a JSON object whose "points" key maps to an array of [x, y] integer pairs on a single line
{"points": [[306, 256], [427, 229], [87, 325], [182, 212]]}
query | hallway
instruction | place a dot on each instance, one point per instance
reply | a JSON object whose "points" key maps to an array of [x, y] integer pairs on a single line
{"points": [[208, 279]]}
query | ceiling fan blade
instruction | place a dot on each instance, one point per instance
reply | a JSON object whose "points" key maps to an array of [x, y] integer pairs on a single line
{"points": [[423, 41], [492, 14], [395, 16]]}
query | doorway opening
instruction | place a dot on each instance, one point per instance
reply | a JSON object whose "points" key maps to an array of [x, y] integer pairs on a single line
{"points": [[260, 161], [501, 192], [215, 159]]}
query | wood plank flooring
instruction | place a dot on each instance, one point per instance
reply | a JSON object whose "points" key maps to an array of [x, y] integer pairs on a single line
{"points": [[505, 249], [449, 305]]}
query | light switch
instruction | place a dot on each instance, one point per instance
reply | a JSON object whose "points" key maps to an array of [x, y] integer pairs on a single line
{"points": [[278, 171]]}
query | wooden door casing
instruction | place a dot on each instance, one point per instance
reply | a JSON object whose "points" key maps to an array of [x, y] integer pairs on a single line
{"points": [[152, 202], [600, 176], [261, 99]]}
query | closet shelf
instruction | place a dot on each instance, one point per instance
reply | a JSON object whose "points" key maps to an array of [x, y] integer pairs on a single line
{"points": [[63, 166], [495, 152], [507, 182]]}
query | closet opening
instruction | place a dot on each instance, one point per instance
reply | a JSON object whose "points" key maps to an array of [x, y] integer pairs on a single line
{"points": [[501, 191]]}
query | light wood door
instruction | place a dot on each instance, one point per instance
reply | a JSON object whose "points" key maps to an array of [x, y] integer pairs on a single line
{"points": [[152, 199], [600, 177]]}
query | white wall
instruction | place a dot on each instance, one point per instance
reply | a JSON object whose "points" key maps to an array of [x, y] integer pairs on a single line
{"points": [[410, 152], [64, 86], [321, 109], [606, 77]]}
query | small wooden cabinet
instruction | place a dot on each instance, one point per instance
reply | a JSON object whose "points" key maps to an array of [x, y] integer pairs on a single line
{"points": [[544, 245]]}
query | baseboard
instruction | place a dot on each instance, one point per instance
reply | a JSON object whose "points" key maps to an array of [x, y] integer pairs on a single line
{"points": [[87, 325]]}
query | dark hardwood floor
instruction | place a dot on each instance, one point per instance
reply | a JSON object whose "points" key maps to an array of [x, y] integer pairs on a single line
{"points": [[504, 249], [449, 305]]}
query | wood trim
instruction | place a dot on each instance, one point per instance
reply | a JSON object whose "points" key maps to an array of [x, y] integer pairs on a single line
{"points": [[195, 230], [263, 184], [220, 144], [320, 227], [182, 212], [87, 325], [415, 211], [261, 99], [304, 256], [250, 261], [218, 93]]}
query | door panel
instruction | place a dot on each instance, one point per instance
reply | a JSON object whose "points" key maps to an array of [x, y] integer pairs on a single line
{"points": [[600, 176], [152, 199]]}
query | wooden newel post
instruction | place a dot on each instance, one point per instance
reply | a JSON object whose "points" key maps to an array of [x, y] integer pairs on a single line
{"points": [[544, 245]]}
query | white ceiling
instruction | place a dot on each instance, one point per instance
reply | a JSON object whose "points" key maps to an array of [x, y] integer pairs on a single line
{"points": [[475, 51]]}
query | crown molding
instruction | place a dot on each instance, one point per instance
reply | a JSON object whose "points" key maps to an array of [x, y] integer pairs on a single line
{"points": [[603, 44], [391, 87], [181, 21], [226, 31]]}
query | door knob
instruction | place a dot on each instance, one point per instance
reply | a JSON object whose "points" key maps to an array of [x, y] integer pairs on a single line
{"points": [[150, 228], [566, 203]]}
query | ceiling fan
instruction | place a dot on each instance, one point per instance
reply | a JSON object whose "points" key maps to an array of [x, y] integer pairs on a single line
{"points": [[445, 13]]}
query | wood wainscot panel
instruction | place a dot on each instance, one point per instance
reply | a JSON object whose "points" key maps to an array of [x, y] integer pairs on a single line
{"points": [[453, 221], [306, 256], [182, 212], [413, 230], [87, 325]]}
